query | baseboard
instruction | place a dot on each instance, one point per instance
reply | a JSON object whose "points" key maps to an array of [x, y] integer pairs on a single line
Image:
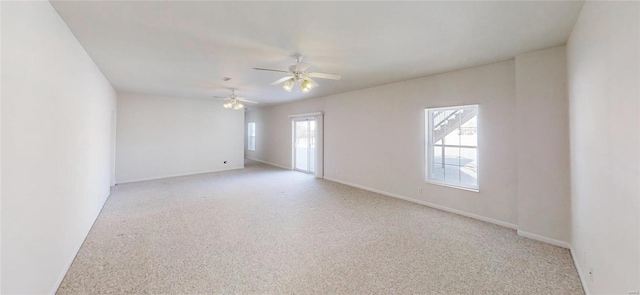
{"points": [[544, 239], [435, 206], [582, 279], [176, 175], [269, 163], [69, 263]]}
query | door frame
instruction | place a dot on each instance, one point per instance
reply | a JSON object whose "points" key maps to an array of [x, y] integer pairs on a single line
{"points": [[319, 141], [314, 140]]}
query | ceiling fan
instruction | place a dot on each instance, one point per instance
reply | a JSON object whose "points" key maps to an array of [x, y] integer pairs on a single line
{"points": [[298, 72], [233, 101]]}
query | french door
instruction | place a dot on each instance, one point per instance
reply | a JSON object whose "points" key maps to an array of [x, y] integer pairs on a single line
{"points": [[304, 144]]}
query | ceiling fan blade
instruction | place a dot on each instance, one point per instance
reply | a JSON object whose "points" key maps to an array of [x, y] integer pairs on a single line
{"points": [[246, 100], [220, 97], [281, 80], [325, 76], [271, 70]]}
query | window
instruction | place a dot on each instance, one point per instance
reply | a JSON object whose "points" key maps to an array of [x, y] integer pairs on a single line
{"points": [[452, 146], [251, 136]]}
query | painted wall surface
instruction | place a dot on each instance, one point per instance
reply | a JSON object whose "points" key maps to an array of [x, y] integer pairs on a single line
{"points": [[375, 137], [544, 189], [56, 146], [161, 137], [603, 57]]}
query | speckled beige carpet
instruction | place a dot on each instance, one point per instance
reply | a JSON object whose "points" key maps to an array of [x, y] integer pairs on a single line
{"points": [[266, 230]]}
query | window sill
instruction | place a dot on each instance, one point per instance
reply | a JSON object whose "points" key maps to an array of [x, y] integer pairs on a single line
{"points": [[465, 188]]}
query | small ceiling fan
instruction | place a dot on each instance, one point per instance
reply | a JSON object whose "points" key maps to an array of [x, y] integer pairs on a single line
{"points": [[233, 101], [298, 72]]}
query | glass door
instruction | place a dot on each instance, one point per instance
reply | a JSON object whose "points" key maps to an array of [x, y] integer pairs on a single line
{"points": [[304, 145]]}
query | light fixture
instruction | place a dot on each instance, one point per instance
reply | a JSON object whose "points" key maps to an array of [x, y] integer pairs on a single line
{"points": [[298, 72], [307, 85], [233, 101], [289, 84], [234, 104]]}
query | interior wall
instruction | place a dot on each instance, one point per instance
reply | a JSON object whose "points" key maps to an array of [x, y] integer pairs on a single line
{"points": [[604, 94], [374, 138], [544, 189], [161, 137], [0, 150], [56, 146]]}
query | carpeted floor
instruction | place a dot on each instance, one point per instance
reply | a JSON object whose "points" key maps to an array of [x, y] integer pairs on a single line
{"points": [[266, 230]]}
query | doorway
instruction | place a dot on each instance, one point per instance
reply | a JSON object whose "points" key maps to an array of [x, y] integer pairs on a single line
{"points": [[304, 144]]}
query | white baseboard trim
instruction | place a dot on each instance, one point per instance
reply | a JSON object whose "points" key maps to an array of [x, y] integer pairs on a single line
{"points": [[176, 175], [582, 278], [544, 239], [70, 262], [269, 163], [435, 206]]}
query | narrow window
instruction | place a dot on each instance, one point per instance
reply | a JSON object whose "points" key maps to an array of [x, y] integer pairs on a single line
{"points": [[452, 146], [251, 136]]}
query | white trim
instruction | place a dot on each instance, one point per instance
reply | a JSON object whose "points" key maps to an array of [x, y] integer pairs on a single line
{"points": [[452, 107], [294, 150], [429, 144], [269, 163], [307, 115], [68, 264], [435, 206], [540, 238], [318, 117], [176, 175], [582, 280], [471, 189]]}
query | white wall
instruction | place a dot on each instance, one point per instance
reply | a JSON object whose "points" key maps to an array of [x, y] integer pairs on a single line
{"points": [[56, 149], [161, 137], [0, 150], [603, 70], [544, 197], [375, 137]]}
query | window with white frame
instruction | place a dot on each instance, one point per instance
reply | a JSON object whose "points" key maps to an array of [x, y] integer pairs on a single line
{"points": [[452, 146], [251, 136]]}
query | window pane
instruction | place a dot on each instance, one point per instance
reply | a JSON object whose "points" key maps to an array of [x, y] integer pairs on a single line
{"points": [[452, 173], [469, 132], [452, 156], [312, 145], [437, 173], [301, 145], [453, 138], [251, 136], [453, 133], [437, 169], [469, 166], [252, 143]]}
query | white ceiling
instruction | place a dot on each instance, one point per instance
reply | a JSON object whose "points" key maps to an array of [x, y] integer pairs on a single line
{"points": [[185, 48]]}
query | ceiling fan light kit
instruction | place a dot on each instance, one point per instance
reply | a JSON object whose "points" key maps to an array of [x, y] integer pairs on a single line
{"points": [[234, 102], [288, 85], [233, 105], [298, 72]]}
